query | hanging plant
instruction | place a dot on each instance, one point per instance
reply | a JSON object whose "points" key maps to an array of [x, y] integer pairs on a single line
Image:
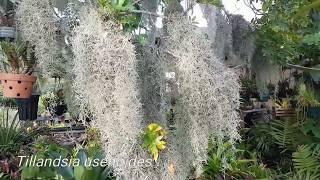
{"points": [[36, 23], [208, 94], [106, 87]]}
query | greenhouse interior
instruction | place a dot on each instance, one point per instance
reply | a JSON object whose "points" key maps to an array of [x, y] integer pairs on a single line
{"points": [[159, 89]]}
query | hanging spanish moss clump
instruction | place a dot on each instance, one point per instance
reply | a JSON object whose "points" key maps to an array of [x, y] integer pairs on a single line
{"points": [[37, 24], [243, 42], [208, 96], [231, 36], [219, 30], [106, 87]]}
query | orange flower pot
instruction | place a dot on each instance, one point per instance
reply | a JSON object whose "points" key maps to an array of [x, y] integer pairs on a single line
{"points": [[17, 85]]}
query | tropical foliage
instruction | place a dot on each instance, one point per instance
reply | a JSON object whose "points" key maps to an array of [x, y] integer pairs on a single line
{"points": [[123, 11], [80, 168], [285, 35], [307, 161], [227, 161]]}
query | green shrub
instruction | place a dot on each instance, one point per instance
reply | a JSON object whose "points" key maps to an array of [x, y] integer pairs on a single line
{"points": [[48, 150], [11, 136], [236, 162]]}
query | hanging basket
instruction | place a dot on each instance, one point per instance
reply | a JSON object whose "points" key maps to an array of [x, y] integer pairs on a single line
{"points": [[17, 85]]}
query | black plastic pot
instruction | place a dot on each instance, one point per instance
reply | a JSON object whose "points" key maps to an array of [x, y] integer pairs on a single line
{"points": [[60, 109], [28, 108]]}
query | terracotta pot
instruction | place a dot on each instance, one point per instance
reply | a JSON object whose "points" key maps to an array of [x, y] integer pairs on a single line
{"points": [[17, 85]]}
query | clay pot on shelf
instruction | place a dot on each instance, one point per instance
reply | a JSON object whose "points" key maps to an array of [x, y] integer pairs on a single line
{"points": [[17, 85]]}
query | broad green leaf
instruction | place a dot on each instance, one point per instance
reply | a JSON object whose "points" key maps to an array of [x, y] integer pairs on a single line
{"points": [[82, 156], [29, 172], [79, 172]]}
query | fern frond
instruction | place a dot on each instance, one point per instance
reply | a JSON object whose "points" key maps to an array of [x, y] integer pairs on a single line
{"points": [[306, 162], [282, 131], [307, 176]]}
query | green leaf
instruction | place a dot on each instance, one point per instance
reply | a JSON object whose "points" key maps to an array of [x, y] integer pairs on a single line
{"points": [[142, 38], [29, 172], [65, 172], [312, 39], [307, 8], [266, 5], [217, 3], [311, 126], [306, 162], [82, 156], [105, 174], [282, 130], [79, 172]]}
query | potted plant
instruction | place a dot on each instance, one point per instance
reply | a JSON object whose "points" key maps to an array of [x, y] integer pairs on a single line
{"points": [[271, 88], [54, 103], [17, 80], [18, 65], [249, 92]]}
